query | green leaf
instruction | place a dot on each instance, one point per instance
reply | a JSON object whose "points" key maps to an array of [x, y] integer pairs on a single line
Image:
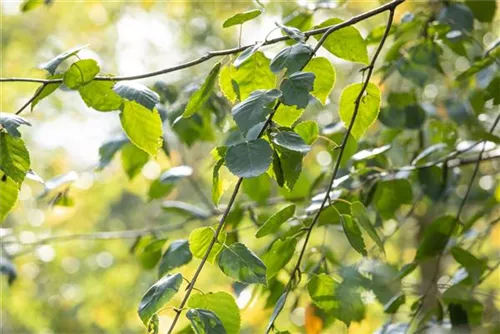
{"points": [[483, 10], [200, 97], [360, 214], [167, 180], [308, 130], [394, 303], [241, 18], [475, 267], [435, 237], [31, 4], [275, 221], [158, 295], [100, 96], [258, 188], [390, 195], [321, 289], [277, 257], [217, 182], [142, 126], [80, 73], [8, 268], [325, 77], [205, 322], [249, 159], [52, 65], [296, 89], [457, 16], [459, 294], [346, 43], [14, 157], [185, 209], [108, 150], [291, 141], [287, 165], [176, 255], [277, 310], [226, 83], [353, 234], [141, 94], [253, 74], [133, 159], [293, 58], [11, 122], [223, 305], [241, 264], [351, 306], [254, 110], [247, 53], [369, 107], [287, 115], [9, 192], [45, 90], [292, 32], [200, 239]]}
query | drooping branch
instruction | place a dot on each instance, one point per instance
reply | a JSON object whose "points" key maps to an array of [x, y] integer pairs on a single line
{"points": [[357, 103]]}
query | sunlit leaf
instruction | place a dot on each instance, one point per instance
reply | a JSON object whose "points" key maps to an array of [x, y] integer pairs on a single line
{"points": [[100, 96], [241, 18], [200, 239], [9, 192], [14, 157], [223, 305], [80, 73], [321, 289], [279, 255], [325, 77], [275, 221], [200, 97]]}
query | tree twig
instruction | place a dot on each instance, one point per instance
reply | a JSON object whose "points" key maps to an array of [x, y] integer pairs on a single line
{"points": [[343, 145]]}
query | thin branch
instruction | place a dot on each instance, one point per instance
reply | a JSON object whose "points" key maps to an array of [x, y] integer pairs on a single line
{"points": [[37, 93], [454, 225], [357, 103], [225, 52]]}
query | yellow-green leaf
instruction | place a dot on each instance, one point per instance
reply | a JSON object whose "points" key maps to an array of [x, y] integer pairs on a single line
{"points": [[325, 77]]}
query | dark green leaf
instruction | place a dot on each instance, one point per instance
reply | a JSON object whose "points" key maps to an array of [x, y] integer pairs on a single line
{"points": [[353, 234], [141, 94], [241, 264], [253, 111], [223, 305], [290, 140], [52, 65], [394, 303], [435, 237], [483, 10], [279, 255], [472, 264], [205, 322], [11, 122], [292, 32], [200, 97], [346, 43], [158, 295], [133, 159], [296, 89], [176, 255], [360, 214], [7, 268], [275, 221], [80, 73], [241, 18], [249, 159], [293, 58], [390, 195], [108, 150], [457, 16]]}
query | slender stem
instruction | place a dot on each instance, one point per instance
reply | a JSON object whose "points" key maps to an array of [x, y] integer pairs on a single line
{"points": [[37, 93], [225, 52], [454, 225], [343, 145]]}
